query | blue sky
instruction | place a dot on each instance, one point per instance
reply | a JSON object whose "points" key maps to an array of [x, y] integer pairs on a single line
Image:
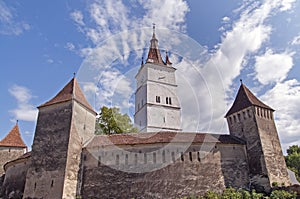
{"points": [[42, 43]]}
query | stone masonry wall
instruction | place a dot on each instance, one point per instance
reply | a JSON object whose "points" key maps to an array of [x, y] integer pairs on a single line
{"points": [[45, 177], [243, 125], [15, 177], [7, 154], [273, 156], [170, 173]]}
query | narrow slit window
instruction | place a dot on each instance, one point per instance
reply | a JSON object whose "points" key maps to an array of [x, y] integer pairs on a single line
{"points": [[154, 158], [173, 156], [198, 156], [99, 161], [126, 159], [135, 159], [117, 159], [170, 102], [182, 157], [191, 156], [163, 156], [145, 158], [167, 100]]}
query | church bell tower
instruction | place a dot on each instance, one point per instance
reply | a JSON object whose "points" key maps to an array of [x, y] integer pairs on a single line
{"points": [[157, 107]]}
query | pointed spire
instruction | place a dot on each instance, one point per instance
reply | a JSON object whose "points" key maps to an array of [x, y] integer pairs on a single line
{"points": [[13, 138], [244, 99], [154, 55], [142, 61], [167, 59], [71, 91]]}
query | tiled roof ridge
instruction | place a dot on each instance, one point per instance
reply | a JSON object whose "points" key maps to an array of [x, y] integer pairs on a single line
{"points": [[13, 138], [161, 137], [244, 99], [71, 91]]}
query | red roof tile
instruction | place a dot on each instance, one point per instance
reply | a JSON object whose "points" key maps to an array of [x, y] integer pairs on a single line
{"points": [[70, 91], [244, 99], [161, 137], [13, 138]]}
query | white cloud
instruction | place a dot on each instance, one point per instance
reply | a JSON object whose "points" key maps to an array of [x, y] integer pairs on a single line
{"points": [[296, 40], [77, 17], [272, 67], [286, 4], [245, 37], [70, 46], [285, 98], [24, 111], [9, 24]]}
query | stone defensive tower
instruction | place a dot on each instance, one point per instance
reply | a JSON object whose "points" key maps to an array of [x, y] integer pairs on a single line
{"points": [[157, 106], [11, 147], [64, 124], [252, 121]]}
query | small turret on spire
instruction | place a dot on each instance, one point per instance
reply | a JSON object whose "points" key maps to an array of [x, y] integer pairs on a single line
{"points": [[142, 61], [167, 59]]}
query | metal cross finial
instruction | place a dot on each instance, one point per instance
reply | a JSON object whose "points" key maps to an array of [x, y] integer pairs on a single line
{"points": [[142, 60], [241, 81], [74, 74], [153, 27]]}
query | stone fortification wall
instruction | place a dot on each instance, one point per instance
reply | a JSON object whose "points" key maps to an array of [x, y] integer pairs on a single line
{"points": [[156, 171], [45, 177], [15, 176], [256, 126], [9, 153]]}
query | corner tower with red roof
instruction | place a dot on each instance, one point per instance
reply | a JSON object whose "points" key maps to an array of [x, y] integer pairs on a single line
{"points": [[157, 107], [252, 121], [64, 124], [12, 146]]}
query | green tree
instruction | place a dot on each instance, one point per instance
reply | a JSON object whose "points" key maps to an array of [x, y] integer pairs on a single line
{"points": [[293, 159], [111, 121]]}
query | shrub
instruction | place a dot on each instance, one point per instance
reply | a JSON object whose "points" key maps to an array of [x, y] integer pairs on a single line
{"points": [[282, 194]]}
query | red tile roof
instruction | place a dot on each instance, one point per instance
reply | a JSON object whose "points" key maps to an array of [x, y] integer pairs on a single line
{"points": [[244, 99], [70, 91], [13, 139], [161, 137]]}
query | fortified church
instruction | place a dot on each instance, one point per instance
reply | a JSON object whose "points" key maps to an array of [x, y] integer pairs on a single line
{"points": [[68, 161]]}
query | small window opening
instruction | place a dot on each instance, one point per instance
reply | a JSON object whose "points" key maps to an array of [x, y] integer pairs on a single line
{"points": [[170, 102], [158, 99], [154, 158], [145, 158], [191, 156], [167, 100], [239, 117], [249, 114], [126, 159], [198, 156], [182, 157], [244, 115], [135, 159], [173, 156], [117, 159], [84, 157], [99, 161], [234, 118], [163, 156], [164, 119], [34, 185], [52, 183]]}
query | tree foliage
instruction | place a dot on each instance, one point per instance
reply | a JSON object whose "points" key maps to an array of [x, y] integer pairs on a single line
{"points": [[111, 121], [293, 159], [231, 193]]}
